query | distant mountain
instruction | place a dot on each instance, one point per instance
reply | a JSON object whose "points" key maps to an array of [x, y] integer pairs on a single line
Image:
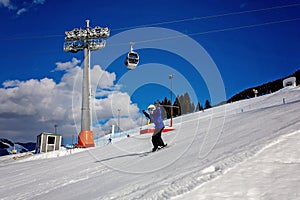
{"points": [[30, 146], [6, 147], [264, 89]]}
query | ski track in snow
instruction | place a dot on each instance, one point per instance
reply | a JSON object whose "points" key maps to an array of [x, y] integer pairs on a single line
{"points": [[203, 149]]}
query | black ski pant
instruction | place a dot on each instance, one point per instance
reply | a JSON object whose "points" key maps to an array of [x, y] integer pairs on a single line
{"points": [[156, 138]]}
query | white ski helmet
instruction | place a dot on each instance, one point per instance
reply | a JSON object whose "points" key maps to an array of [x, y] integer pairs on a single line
{"points": [[151, 107]]}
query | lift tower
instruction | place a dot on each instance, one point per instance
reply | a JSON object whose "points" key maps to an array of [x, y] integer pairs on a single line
{"points": [[88, 39]]}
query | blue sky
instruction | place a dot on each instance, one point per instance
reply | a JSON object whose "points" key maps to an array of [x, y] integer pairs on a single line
{"points": [[250, 42]]}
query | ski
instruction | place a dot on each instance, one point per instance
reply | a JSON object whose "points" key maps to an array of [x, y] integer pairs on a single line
{"points": [[151, 152]]}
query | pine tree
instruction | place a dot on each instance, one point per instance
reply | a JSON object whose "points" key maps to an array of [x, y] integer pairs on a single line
{"points": [[182, 105], [177, 110], [189, 105], [207, 104], [199, 107], [192, 107], [167, 103]]}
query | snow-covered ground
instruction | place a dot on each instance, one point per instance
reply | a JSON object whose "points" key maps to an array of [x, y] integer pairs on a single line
{"points": [[244, 150], [271, 174]]}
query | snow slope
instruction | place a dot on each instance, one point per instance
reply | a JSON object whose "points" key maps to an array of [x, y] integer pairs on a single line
{"points": [[231, 151], [272, 174]]}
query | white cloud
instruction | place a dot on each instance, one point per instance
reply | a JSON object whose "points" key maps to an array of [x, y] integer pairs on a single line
{"points": [[21, 11], [7, 4], [13, 83], [21, 7], [108, 107], [101, 79], [30, 107], [39, 1], [60, 66]]}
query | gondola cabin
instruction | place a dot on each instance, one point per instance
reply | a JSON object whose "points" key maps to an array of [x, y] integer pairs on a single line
{"points": [[132, 59]]}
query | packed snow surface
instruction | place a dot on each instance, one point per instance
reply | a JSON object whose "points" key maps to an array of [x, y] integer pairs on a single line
{"points": [[244, 150]]}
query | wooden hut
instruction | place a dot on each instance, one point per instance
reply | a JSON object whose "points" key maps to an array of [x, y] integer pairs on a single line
{"points": [[46, 142]]}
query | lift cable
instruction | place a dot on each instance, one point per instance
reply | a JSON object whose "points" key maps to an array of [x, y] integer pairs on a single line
{"points": [[163, 23], [180, 36]]}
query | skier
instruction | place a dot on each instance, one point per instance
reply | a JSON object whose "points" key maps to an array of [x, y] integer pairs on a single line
{"points": [[155, 117]]}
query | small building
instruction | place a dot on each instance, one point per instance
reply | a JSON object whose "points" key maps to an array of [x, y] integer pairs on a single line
{"points": [[289, 82], [46, 142]]}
